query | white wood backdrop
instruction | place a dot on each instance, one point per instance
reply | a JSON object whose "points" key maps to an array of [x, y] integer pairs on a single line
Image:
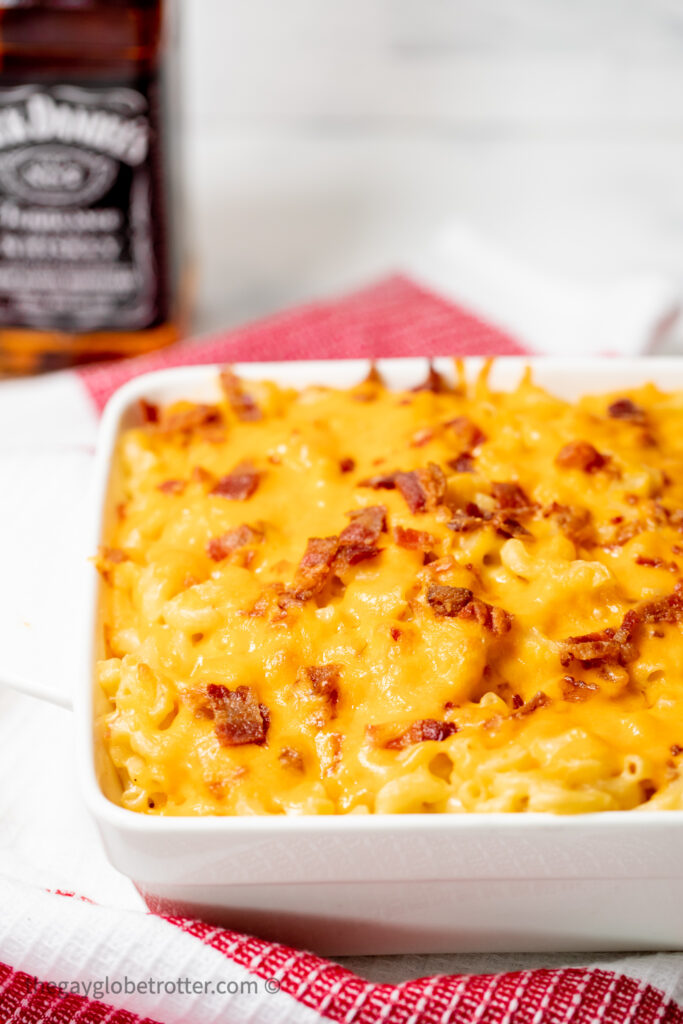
{"points": [[325, 138]]}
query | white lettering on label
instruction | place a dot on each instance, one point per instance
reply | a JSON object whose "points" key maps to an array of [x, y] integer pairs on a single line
{"points": [[42, 119]]}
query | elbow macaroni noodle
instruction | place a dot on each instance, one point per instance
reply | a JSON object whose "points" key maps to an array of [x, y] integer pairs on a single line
{"points": [[229, 691]]}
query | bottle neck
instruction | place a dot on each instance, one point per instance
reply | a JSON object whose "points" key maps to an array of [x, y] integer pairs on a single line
{"points": [[55, 37]]}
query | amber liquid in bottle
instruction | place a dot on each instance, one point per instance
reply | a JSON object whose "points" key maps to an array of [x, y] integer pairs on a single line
{"points": [[89, 254]]}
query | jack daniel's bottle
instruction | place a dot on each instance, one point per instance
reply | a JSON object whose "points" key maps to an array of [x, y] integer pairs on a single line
{"points": [[88, 253]]}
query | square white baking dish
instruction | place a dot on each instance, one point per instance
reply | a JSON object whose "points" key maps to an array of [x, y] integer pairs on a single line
{"points": [[393, 883]]}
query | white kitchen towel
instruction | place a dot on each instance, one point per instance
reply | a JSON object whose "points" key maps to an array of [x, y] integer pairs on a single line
{"points": [[550, 314]]}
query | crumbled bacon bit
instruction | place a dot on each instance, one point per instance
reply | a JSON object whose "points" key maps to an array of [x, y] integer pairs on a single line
{"points": [[581, 455], [238, 716], [539, 700], [239, 400], [654, 563], [577, 690], [352, 554], [315, 567], [600, 646], [410, 488], [347, 465], [618, 645], [496, 620], [463, 463], [291, 759], [448, 601], [508, 526], [509, 496], [468, 432], [383, 481], [323, 681], [517, 701], [149, 411], [626, 531], [414, 540], [222, 547], [433, 382], [172, 486], [238, 485], [470, 519], [424, 730], [626, 409], [189, 419], [423, 489], [664, 609], [459, 601], [676, 750], [366, 525], [358, 540], [396, 633]]}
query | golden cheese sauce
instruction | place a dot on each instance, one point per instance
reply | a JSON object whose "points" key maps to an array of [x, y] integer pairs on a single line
{"points": [[500, 632]]}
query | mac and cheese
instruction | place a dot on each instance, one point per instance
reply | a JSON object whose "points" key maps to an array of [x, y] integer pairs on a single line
{"points": [[354, 601]]}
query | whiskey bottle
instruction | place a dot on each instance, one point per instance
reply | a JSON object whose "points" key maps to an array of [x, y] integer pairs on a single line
{"points": [[89, 247]]}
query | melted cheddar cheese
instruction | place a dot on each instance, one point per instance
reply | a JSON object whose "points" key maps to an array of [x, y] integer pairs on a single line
{"points": [[354, 601]]}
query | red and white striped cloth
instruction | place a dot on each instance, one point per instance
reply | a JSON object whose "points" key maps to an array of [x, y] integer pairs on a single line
{"points": [[396, 317], [100, 954], [125, 965]]}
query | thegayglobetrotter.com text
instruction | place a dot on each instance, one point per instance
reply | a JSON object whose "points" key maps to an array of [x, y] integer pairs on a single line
{"points": [[101, 988]]}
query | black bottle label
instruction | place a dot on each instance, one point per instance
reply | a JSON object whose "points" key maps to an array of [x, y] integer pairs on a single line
{"points": [[81, 212]]}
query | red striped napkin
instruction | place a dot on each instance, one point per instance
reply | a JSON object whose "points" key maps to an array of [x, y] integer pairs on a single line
{"points": [[65, 959], [110, 964], [393, 318]]}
